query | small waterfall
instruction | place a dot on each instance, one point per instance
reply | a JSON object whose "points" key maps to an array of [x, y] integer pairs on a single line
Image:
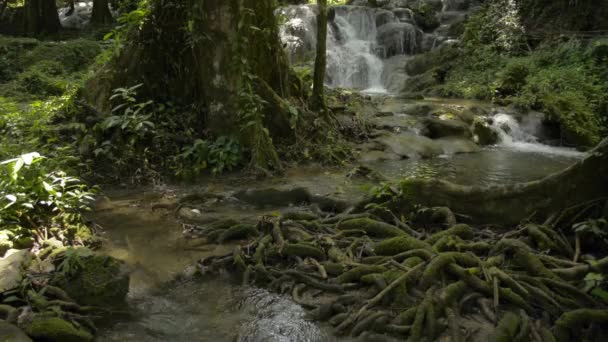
{"points": [[351, 46], [514, 136]]}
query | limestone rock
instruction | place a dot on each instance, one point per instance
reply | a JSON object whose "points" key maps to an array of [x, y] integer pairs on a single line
{"points": [[11, 267], [438, 128], [412, 146]]}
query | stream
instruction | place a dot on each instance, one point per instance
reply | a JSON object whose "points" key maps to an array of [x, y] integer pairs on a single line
{"points": [[367, 51], [166, 305]]}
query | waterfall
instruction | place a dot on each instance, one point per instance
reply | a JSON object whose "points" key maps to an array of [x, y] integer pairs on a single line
{"points": [[514, 136], [351, 45]]}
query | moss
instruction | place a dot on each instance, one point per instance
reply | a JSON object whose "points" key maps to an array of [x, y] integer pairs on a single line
{"points": [[372, 227], [461, 230], [533, 264], [356, 273], [399, 244], [56, 330], [453, 292], [299, 215], [406, 317], [412, 261], [303, 250], [239, 231], [507, 328], [95, 280], [334, 268], [433, 269]]}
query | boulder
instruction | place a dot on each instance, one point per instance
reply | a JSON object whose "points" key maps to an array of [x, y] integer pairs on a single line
{"points": [[374, 156], [399, 39], [54, 329], [5, 243], [483, 133], [454, 145], [11, 333], [411, 146], [96, 280], [11, 267], [437, 128], [384, 17]]}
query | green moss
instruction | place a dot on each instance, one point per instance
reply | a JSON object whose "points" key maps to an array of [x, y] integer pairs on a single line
{"points": [[371, 227], [461, 230], [236, 232], [406, 317], [55, 329], [533, 264], [334, 268], [432, 271], [399, 244], [412, 261], [507, 328], [94, 280], [303, 250], [356, 273]]}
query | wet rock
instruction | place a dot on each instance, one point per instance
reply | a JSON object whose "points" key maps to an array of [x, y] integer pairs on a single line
{"points": [[5, 243], [399, 39], [484, 134], [404, 15], [54, 329], [11, 266], [384, 17], [373, 156], [11, 333], [394, 123], [96, 280], [454, 145], [412, 146], [438, 128]]}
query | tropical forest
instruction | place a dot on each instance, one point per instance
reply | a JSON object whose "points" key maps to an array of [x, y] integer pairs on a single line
{"points": [[303, 170]]}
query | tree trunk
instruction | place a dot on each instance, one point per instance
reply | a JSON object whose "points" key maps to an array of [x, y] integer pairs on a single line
{"points": [[225, 60], [510, 204], [101, 13], [318, 100], [41, 17]]}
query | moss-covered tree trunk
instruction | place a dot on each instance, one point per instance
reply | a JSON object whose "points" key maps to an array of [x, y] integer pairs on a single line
{"points": [[318, 101], [101, 13], [225, 60], [580, 183], [41, 17]]}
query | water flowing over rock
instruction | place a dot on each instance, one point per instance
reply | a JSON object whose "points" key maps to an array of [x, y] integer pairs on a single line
{"points": [[363, 39]]}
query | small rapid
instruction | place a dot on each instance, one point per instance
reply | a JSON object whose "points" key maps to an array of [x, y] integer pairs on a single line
{"points": [[514, 136]]}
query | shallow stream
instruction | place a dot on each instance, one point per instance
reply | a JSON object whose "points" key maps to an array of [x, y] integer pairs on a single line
{"points": [[164, 309]]}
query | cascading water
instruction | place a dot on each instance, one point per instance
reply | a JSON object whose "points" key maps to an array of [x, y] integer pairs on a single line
{"points": [[351, 58], [514, 136]]}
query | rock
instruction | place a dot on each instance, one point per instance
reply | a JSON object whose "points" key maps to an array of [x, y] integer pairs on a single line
{"points": [[5, 243], [11, 333], [484, 134], [399, 39], [11, 267], [373, 156], [274, 197], [95, 280], [103, 203], [454, 145], [404, 15], [54, 329], [412, 146], [394, 123], [384, 17], [437, 128]]}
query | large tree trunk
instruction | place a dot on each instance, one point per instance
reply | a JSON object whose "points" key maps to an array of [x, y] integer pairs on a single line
{"points": [[225, 60], [41, 17], [582, 182], [101, 13], [318, 101]]}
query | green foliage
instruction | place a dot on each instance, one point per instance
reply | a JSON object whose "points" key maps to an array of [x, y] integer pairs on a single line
{"points": [[224, 154], [132, 17], [36, 201]]}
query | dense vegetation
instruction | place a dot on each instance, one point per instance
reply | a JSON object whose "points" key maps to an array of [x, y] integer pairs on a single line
{"points": [[172, 91], [562, 76]]}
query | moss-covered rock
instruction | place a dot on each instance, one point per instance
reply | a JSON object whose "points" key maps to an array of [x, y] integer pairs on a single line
{"points": [[483, 133], [11, 333], [94, 280], [399, 244], [54, 329]]}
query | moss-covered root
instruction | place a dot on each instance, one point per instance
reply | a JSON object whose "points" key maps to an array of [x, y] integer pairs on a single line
{"points": [[433, 270], [356, 273], [532, 264], [236, 232], [571, 322], [303, 250], [399, 244], [507, 328], [371, 227], [461, 230], [424, 319]]}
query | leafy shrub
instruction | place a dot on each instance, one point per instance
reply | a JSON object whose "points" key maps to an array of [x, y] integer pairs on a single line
{"points": [[37, 203], [37, 83], [224, 154]]}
